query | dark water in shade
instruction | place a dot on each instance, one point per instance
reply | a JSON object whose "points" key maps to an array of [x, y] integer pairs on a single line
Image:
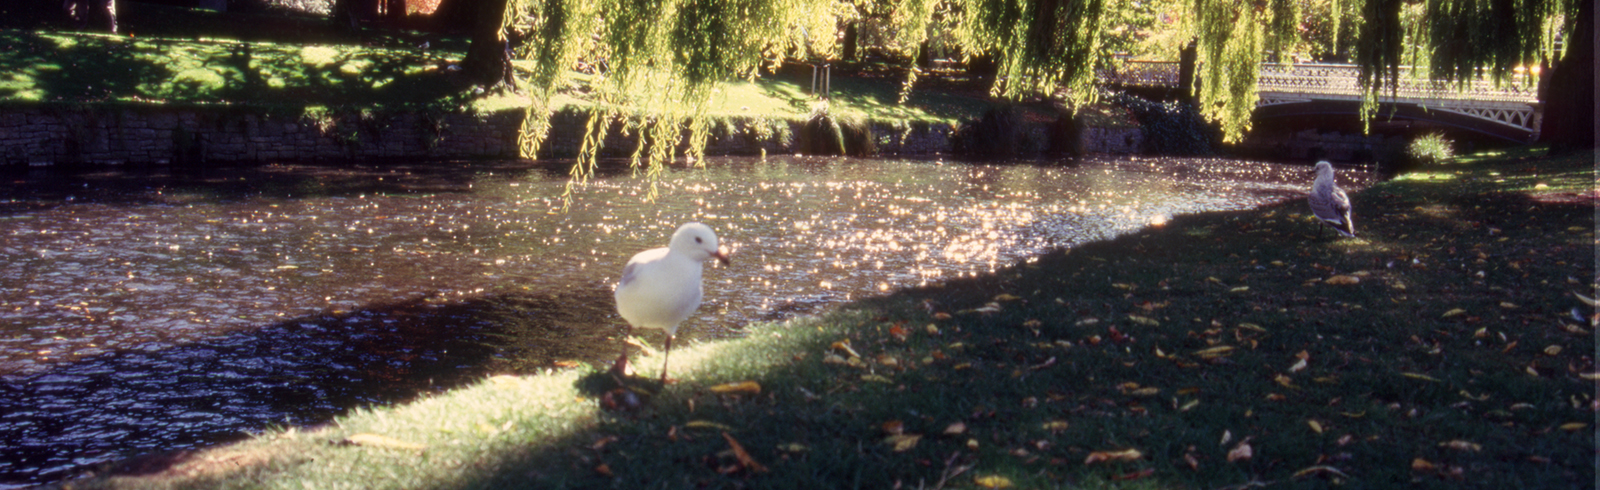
{"points": [[154, 310]]}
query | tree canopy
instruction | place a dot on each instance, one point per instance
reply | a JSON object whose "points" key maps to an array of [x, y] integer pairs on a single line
{"points": [[662, 57]]}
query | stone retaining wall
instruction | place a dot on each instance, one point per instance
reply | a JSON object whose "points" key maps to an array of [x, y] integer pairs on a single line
{"points": [[113, 136]]}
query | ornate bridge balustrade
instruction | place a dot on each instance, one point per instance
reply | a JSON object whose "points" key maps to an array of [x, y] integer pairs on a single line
{"points": [[1513, 106]]}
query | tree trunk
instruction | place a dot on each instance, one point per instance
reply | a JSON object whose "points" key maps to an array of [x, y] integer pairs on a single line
{"points": [[1569, 99], [488, 60], [1186, 58], [850, 40]]}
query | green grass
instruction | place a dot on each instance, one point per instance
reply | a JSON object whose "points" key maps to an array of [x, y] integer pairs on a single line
{"points": [[1435, 351]]}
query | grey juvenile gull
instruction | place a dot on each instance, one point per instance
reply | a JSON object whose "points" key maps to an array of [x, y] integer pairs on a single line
{"points": [[1329, 203]]}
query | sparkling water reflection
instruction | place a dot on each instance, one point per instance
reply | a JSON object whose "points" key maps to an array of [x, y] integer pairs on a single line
{"points": [[155, 312]]}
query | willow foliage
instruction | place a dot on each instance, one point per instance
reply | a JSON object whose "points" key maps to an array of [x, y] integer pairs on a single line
{"points": [[1461, 40], [1233, 38], [1042, 45], [661, 59]]}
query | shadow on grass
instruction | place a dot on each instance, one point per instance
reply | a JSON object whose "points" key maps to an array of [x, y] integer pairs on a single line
{"points": [[1216, 335]]}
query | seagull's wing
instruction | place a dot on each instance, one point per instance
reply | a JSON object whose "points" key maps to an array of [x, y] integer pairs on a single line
{"points": [[1341, 202], [636, 264], [627, 274]]}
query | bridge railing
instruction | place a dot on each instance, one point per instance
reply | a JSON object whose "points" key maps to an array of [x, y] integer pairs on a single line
{"points": [[1329, 79]]}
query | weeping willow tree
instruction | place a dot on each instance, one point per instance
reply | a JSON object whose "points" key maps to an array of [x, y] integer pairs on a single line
{"points": [[1460, 41], [662, 57], [1233, 39]]}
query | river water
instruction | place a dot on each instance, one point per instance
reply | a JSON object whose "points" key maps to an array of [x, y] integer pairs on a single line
{"points": [[162, 309]]}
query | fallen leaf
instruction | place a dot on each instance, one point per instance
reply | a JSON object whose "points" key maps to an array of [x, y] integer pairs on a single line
{"points": [[844, 345], [1342, 280], [705, 424], [1252, 326], [1320, 469], [793, 447], [1135, 475], [1419, 464], [374, 440], [744, 457], [737, 388], [1573, 426], [899, 332], [603, 469], [1299, 365], [1239, 289], [1552, 350], [1108, 456], [1218, 351], [893, 427], [1242, 451], [1315, 426], [1055, 425], [992, 481], [955, 428], [1007, 297], [1286, 381], [902, 442], [1146, 321], [1461, 445], [1453, 312], [1420, 376]]}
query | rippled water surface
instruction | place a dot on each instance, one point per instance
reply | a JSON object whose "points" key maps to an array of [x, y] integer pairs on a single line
{"points": [[147, 311]]}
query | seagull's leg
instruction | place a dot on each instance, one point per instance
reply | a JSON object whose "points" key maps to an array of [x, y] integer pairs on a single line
{"points": [[620, 368], [664, 353]]}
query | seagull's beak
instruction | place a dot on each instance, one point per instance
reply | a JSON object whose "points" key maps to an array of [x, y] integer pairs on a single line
{"points": [[721, 257]]}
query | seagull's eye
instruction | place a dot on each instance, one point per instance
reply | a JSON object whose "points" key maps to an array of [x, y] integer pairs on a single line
{"points": [[697, 240]]}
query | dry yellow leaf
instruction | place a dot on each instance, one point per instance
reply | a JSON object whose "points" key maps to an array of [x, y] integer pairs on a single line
{"points": [[955, 428], [1573, 426], [1461, 445], [744, 457], [992, 481], [1146, 391], [1218, 351], [1342, 280], [1552, 350], [1453, 312], [1104, 456], [902, 442], [1252, 326], [1419, 464], [1420, 376], [1239, 289], [374, 440], [1315, 426], [844, 345], [705, 424], [1007, 297], [1055, 425], [737, 388], [1146, 321]]}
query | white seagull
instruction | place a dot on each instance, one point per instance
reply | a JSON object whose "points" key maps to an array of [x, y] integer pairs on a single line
{"points": [[1329, 203], [660, 287]]}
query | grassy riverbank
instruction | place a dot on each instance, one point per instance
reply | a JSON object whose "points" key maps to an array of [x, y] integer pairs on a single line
{"points": [[1219, 350]]}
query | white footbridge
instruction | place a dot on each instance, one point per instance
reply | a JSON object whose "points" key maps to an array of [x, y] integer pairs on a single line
{"points": [[1510, 110]]}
